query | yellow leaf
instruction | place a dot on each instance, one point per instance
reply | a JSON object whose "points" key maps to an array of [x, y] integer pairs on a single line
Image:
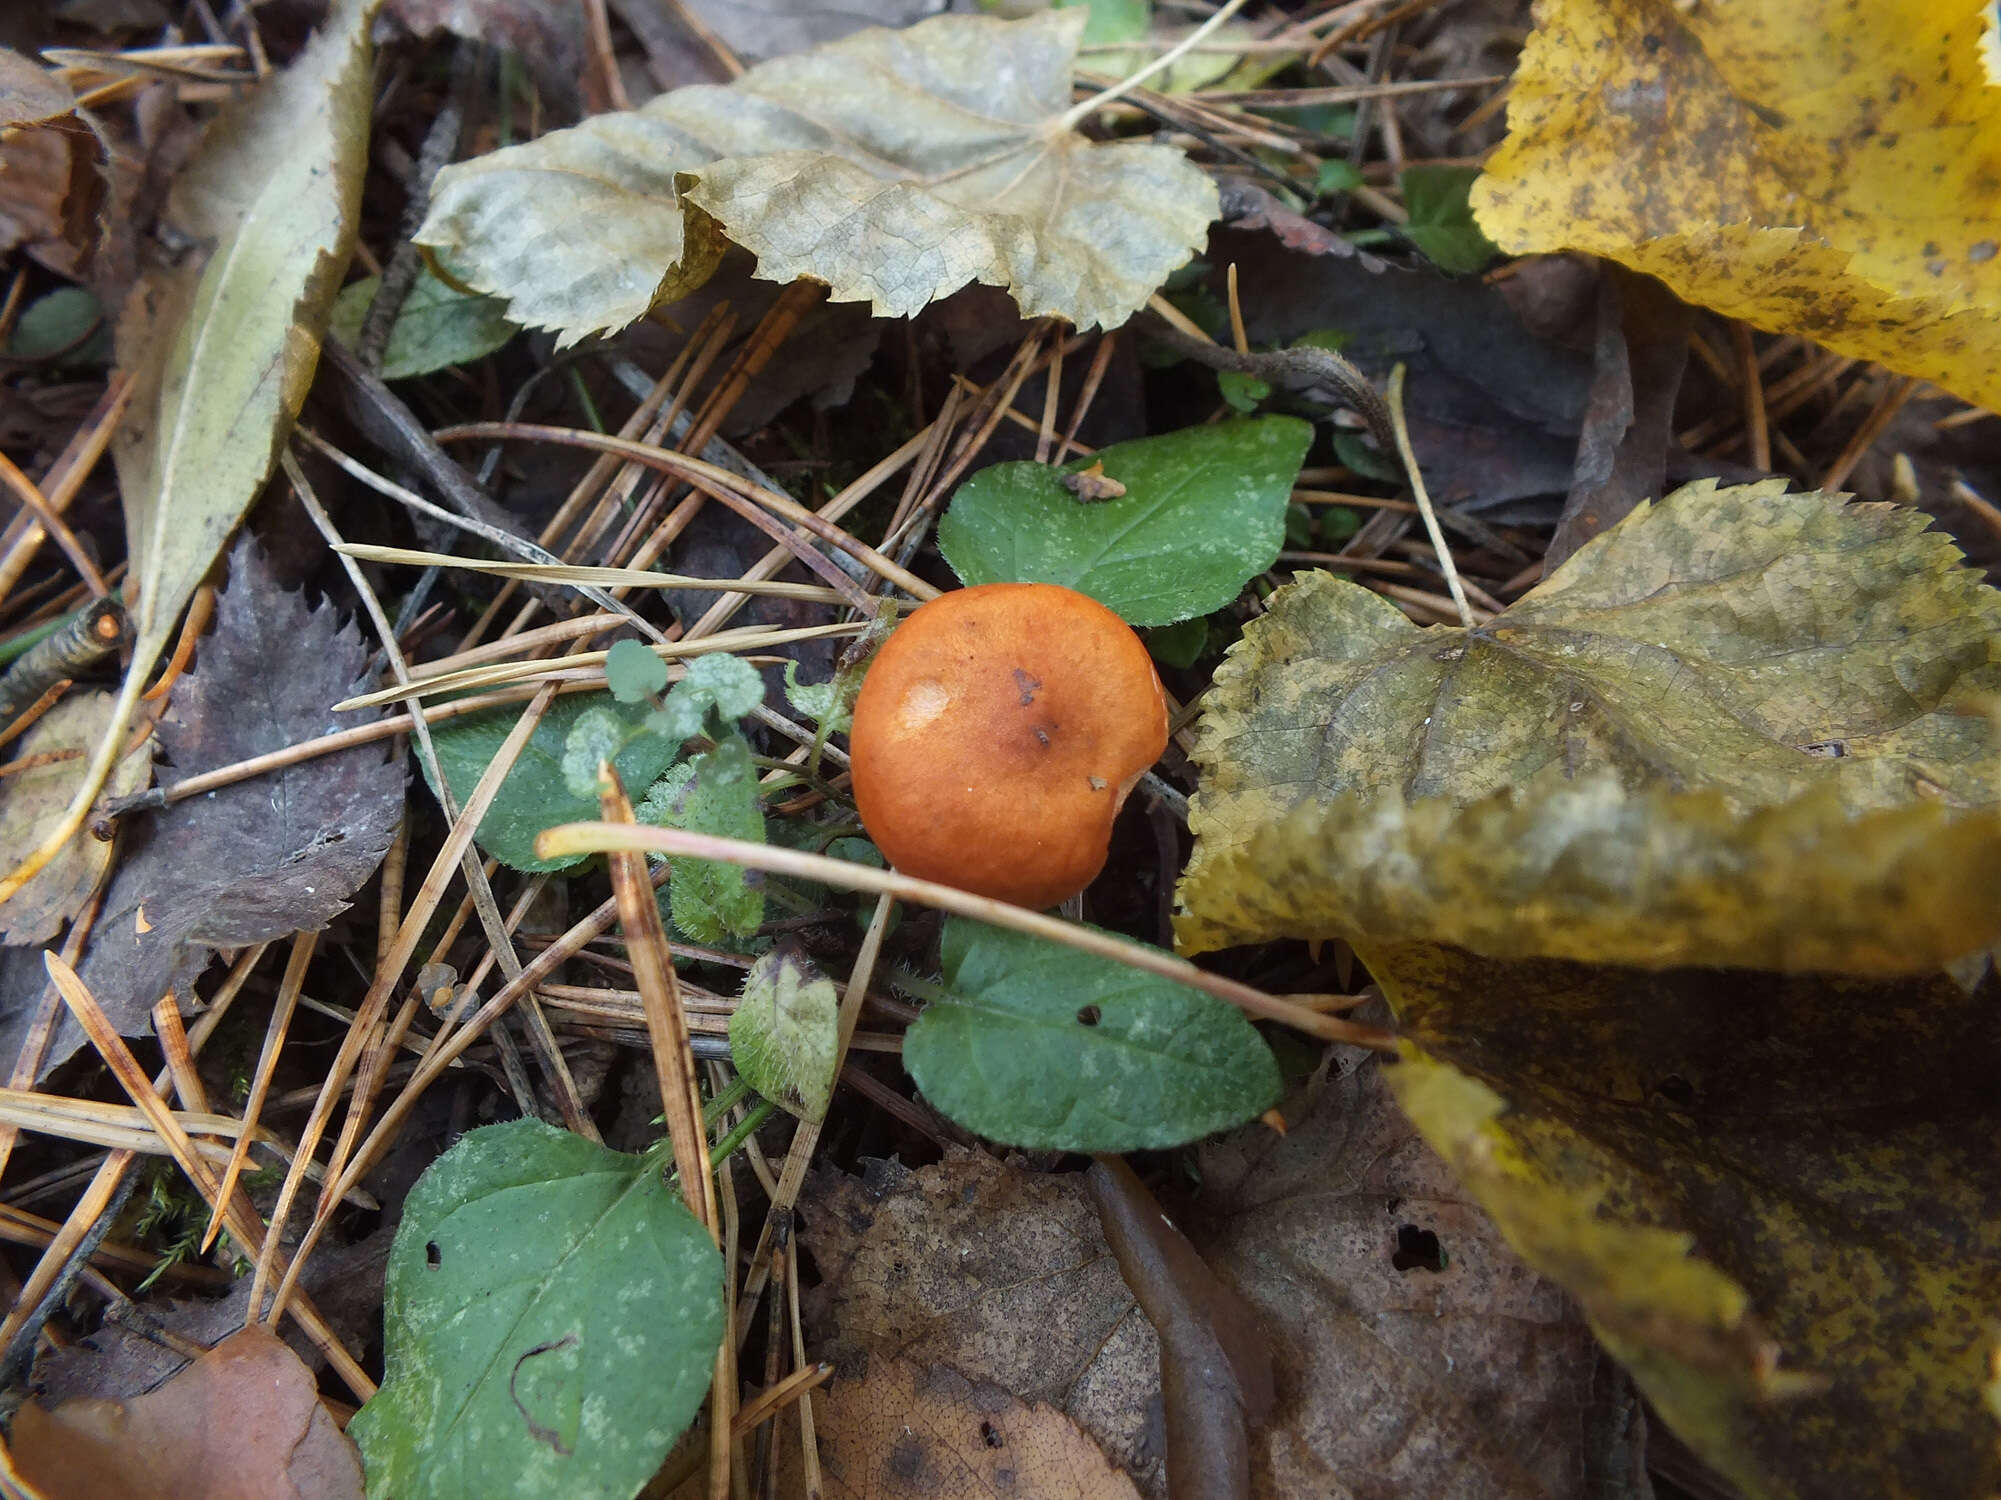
{"points": [[1823, 167]]}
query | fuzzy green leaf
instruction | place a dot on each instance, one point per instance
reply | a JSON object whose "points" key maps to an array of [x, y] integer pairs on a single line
{"points": [[713, 793], [784, 1033]]}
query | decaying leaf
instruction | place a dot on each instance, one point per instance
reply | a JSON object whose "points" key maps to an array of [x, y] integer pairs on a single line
{"points": [[32, 803], [1830, 168], [893, 166], [897, 1431], [222, 346], [52, 165], [1776, 1197], [1748, 729], [280, 853], [1740, 727], [243, 1422], [949, 1265], [1415, 1354]]}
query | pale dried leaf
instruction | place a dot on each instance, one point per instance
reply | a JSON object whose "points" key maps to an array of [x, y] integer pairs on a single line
{"points": [[1416, 1355], [897, 1431], [32, 803], [221, 347], [895, 167]]}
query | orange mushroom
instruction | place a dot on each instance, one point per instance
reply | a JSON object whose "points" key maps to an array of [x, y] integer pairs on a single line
{"points": [[996, 736]]}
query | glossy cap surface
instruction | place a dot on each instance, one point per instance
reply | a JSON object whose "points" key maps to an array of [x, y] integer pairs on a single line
{"points": [[996, 736]]}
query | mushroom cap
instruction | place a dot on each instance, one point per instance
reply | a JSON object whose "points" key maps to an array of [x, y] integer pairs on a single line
{"points": [[996, 736]]}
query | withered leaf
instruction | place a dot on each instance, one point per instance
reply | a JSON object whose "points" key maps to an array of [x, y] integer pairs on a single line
{"points": [[1775, 1195], [1732, 729], [1415, 1355], [895, 167], [897, 1431], [32, 803], [951, 1265], [1824, 168], [243, 1422], [277, 854]]}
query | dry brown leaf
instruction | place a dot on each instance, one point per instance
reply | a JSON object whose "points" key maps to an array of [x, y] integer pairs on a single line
{"points": [[1415, 1355], [244, 1422], [999, 1273], [898, 1431], [51, 166]]}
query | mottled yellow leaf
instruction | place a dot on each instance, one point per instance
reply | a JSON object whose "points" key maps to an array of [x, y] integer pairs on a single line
{"points": [[1823, 167], [1740, 727], [894, 166]]}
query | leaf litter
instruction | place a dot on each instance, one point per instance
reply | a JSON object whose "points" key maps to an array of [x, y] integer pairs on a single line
{"points": [[1781, 763]]}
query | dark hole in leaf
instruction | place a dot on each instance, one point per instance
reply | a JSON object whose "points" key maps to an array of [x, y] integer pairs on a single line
{"points": [[990, 1435], [1676, 1091], [431, 1256], [1417, 1250], [1088, 1016]]}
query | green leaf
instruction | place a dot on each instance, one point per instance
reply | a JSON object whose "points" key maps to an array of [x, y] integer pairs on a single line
{"points": [[1660, 755], [784, 1033], [893, 166], [710, 901], [1441, 221], [632, 672], [537, 793], [596, 737], [726, 685], [830, 703], [1204, 511], [221, 348], [1354, 451], [1179, 645], [436, 327], [69, 322], [1037, 1045], [552, 1315], [1243, 392], [1113, 21], [1337, 176]]}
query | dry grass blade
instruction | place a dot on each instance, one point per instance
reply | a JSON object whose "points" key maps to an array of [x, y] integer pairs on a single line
{"points": [[728, 487], [573, 573], [597, 838], [588, 666], [680, 1094], [242, 1219], [303, 945], [659, 994]]}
